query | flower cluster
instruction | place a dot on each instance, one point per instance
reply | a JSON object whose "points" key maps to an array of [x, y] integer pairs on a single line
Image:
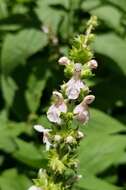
{"points": [[69, 109]]}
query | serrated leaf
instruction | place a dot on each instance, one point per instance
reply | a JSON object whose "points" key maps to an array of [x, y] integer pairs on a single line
{"points": [[17, 48]]}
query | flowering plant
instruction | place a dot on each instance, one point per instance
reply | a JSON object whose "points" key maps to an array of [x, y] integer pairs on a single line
{"points": [[69, 105]]}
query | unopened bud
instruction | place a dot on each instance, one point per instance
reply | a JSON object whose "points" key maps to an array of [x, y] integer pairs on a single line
{"points": [[76, 164], [55, 40], [69, 140], [45, 29], [93, 64], [64, 61], [40, 173], [57, 94], [57, 138], [89, 99], [80, 135], [78, 177]]}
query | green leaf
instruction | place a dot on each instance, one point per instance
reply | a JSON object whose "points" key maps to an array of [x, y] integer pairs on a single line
{"points": [[8, 132], [108, 44], [110, 15], [87, 5], [11, 180], [7, 143], [90, 182], [9, 88], [100, 149], [18, 47], [3, 9], [64, 3], [35, 86], [113, 94], [120, 4], [102, 123], [50, 16], [28, 154]]}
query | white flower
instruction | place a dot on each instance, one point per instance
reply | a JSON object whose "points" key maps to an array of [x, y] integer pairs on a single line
{"points": [[81, 111], [93, 64], [73, 88], [64, 61], [74, 85], [58, 107], [33, 187], [45, 132]]}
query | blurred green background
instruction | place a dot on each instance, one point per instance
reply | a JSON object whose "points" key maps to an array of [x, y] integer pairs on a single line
{"points": [[33, 35]]}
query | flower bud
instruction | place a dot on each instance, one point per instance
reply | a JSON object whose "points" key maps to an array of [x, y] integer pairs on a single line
{"points": [[57, 95], [55, 40], [69, 140], [64, 61], [45, 29], [40, 173], [57, 138], [78, 177], [93, 64], [33, 187], [80, 135], [89, 99]]}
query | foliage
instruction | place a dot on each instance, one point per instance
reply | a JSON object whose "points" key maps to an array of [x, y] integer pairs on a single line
{"points": [[29, 72]]}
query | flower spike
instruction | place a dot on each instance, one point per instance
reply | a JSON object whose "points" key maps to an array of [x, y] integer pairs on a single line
{"points": [[69, 105]]}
